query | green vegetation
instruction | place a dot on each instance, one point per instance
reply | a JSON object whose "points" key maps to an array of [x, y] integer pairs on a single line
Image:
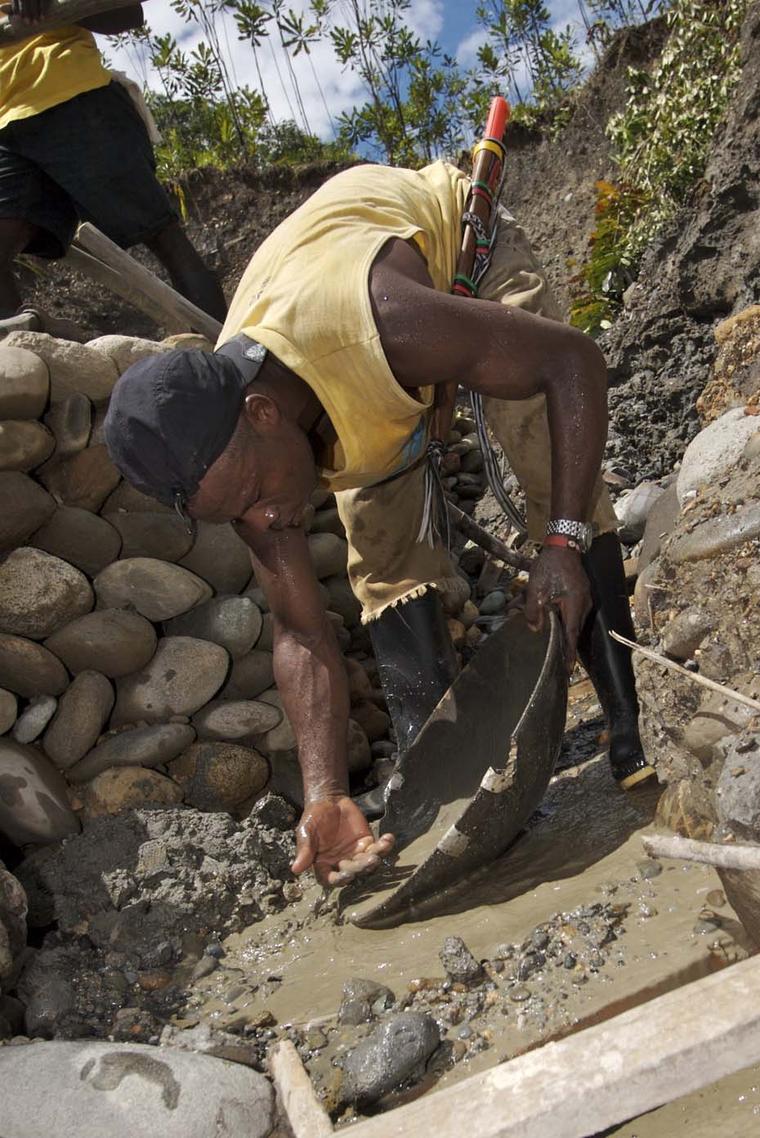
{"points": [[416, 103], [662, 140]]}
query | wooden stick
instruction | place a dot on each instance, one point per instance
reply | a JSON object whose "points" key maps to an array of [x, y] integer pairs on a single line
{"points": [[59, 14], [725, 857], [600, 1077], [141, 280], [303, 1111], [487, 541], [729, 693], [104, 275]]}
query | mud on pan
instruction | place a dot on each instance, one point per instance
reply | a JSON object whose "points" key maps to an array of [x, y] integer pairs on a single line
{"points": [[475, 773]]}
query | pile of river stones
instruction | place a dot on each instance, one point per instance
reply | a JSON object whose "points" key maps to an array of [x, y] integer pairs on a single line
{"points": [[136, 658]]}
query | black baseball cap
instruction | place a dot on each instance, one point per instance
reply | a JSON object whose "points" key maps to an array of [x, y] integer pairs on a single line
{"points": [[169, 419]]}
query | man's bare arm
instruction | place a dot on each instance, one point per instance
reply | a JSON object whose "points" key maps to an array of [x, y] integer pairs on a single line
{"points": [[431, 337], [332, 834]]}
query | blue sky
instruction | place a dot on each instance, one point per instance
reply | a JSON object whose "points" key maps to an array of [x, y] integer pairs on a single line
{"points": [[451, 22]]}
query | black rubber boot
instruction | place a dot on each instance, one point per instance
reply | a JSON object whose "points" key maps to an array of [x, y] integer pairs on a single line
{"points": [[416, 662], [608, 662]]}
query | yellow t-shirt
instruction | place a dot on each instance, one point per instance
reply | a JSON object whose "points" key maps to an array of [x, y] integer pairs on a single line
{"points": [[39, 72], [305, 297]]}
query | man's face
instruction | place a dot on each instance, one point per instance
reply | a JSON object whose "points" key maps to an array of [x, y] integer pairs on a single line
{"points": [[264, 478]]}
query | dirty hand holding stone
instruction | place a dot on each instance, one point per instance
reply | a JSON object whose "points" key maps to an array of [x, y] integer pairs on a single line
{"points": [[334, 838]]}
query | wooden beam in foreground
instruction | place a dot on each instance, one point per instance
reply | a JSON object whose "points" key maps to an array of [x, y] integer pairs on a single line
{"points": [[304, 1112], [639, 1060], [100, 258], [59, 14]]}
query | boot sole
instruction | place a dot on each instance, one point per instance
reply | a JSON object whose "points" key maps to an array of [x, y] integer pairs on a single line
{"points": [[638, 776]]}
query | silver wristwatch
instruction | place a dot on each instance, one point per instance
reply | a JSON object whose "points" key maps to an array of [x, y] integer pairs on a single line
{"points": [[580, 532]]}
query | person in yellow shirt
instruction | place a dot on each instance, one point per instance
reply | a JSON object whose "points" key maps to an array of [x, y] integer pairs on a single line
{"points": [[73, 148], [339, 332]]}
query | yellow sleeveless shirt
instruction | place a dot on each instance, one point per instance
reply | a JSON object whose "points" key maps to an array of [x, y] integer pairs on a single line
{"points": [[44, 70], [305, 297]]}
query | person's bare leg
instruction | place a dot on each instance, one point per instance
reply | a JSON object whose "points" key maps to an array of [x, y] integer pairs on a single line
{"points": [[189, 274], [15, 235]]}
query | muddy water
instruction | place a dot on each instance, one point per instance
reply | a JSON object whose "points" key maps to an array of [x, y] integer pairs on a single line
{"points": [[729, 1108], [584, 847]]}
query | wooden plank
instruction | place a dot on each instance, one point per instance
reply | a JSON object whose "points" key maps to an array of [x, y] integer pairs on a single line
{"points": [[59, 14], [603, 1076], [302, 1109], [177, 309], [709, 853]]}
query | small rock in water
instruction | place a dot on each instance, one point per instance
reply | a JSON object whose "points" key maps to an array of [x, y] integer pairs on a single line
{"points": [[716, 898], [459, 963], [649, 868], [395, 1053], [519, 995], [363, 1000], [704, 925]]}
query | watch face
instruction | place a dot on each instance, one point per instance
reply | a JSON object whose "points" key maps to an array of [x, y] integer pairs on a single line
{"points": [[587, 537]]}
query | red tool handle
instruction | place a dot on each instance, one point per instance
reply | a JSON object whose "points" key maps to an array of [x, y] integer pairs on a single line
{"points": [[498, 117]]}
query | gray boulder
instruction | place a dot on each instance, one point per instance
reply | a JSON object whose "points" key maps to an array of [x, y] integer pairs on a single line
{"points": [[24, 384], [39, 593], [220, 557], [394, 1054], [28, 669], [128, 1090], [233, 622], [110, 641], [24, 507], [34, 805], [82, 711], [184, 674], [24, 445], [142, 746], [8, 710], [155, 589], [30, 725], [80, 537], [715, 450], [71, 423]]}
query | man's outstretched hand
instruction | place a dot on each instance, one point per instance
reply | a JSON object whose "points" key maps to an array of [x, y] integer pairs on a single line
{"points": [[558, 580], [334, 838]]}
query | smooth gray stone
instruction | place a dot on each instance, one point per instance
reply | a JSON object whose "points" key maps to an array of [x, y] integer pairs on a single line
{"points": [[250, 676], [393, 1054], [717, 535], [24, 383], [34, 805], [329, 554], [144, 534], [110, 641], [236, 719], [24, 507], [220, 557], [35, 719], [80, 537], [233, 622], [82, 711], [143, 746], [28, 669], [716, 449], [39, 593], [92, 1089], [184, 674], [684, 633], [155, 589], [24, 444], [71, 423], [8, 710]]}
